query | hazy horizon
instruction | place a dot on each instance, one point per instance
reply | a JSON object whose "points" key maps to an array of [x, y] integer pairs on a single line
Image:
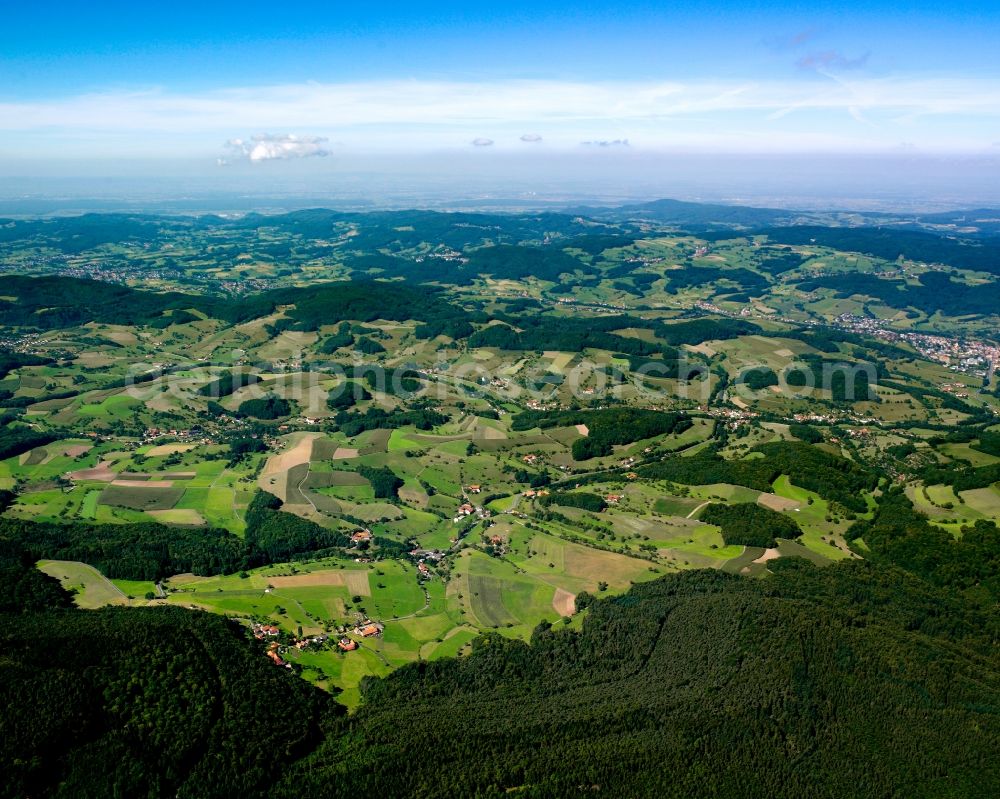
{"points": [[415, 104], [898, 183]]}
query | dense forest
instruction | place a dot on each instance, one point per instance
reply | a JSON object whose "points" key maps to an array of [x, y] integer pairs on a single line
{"points": [[141, 702], [227, 383], [696, 684], [568, 334], [892, 244], [934, 292], [9, 361], [575, 499], [606, 427], [873, 676], [270, 407], [50, 303], [750, 524], [151, 551], [854, 680], [134, 551], [375, 418], [900, 535], [831, 476], [15, 440]]}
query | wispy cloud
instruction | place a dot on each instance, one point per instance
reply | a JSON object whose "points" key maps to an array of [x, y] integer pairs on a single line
{"points": [[418, 115], [531, 138], [829, 60], [782, 43], [482, 141]]}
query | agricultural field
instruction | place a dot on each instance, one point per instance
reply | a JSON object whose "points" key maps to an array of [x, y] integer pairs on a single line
{"points": [[90, 588], [330, 437]]}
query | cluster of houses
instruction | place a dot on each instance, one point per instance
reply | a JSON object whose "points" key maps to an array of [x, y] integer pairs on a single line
{"points": [[531, 493], [427, 554], [960, 390], [468, 509], [361, 536], [272, 653], [262, 631], [153, 433], [498, 543], [311, 640], [369, 629]]}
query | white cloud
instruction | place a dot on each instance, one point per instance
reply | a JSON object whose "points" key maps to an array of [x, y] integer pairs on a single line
{"points": [[530, 137], [606, 143], [831, 60], [267, 147], [482, 141], [834, 112]]}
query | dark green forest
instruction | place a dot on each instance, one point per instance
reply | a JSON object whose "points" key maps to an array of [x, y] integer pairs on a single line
{"points": [[151, 551], [750, 524], [875, 676], [606, 427], [813, 681], [831, 476], [849, 681]]}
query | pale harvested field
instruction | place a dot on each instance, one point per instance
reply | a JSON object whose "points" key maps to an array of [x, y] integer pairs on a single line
{"points": [[583, 430], [593, 565], [769, 554], [178, 516], [703, 348], [67, 450], [94, 590], [342, 453], [774, 502], [143, 483], [122, 336], [564, 602], [296, 456], [313, 579], [33, 457], [169, 449], [94, 359], [100, 472], [72, 451], [784, 353], [354, 581], [560, 360]]}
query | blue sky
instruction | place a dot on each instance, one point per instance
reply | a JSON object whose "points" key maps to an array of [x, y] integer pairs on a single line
{"points": [[281, 81]]}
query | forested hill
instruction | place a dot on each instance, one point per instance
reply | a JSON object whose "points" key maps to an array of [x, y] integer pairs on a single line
{"points": [[139, 702], [50, 303], [850, 681], [890, 244], [854, 680]]}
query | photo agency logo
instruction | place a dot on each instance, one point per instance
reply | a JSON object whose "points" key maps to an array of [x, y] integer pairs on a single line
{"points": [[839, 381], [550, 379]]}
